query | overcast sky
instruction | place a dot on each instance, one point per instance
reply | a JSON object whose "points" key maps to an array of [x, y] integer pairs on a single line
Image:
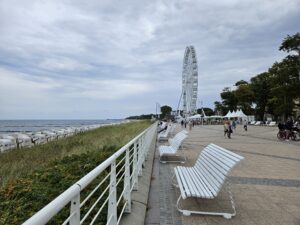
{"points": [[71, 59]]}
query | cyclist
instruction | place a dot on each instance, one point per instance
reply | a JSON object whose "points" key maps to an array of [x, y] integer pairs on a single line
{"points": [[289, 127]]}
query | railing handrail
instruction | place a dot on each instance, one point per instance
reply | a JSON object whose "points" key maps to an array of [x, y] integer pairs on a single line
{"points": [[51, 209]]}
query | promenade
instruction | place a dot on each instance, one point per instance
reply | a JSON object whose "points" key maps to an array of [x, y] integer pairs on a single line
{"points": [[265, 185]]}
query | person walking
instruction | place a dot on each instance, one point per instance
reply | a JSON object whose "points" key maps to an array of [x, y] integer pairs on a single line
{"points": [[245, 123], [182, 122], [233, 124], [190, 123], [227, 129]]}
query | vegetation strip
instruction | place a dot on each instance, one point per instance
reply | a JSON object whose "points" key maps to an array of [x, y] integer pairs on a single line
{"points": [[25, 192]]}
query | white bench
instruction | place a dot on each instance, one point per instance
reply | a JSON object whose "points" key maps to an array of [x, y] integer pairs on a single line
{"points": [[172, 129], [258, 123], [272, 124], [164, 134], [171, 150], [206, 178]]}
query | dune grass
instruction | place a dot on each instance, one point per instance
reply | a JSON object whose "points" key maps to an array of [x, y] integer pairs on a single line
{"points": [[18, 163]]}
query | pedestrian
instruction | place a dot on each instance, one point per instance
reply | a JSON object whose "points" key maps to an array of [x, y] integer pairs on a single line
{"points": [[245, 123], [227, 129], [185, 122], [190, 123], [182, 122], [233, 124]]}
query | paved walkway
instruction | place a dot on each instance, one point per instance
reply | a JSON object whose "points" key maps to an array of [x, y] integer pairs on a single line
{"points": [[266, 185]]}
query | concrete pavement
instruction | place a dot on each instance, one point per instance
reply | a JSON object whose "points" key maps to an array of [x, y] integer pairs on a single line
{"points": [[265, 186]]}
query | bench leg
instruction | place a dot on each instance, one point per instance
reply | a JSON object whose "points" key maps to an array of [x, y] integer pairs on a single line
{"points": [[228, 188], [173, 181], [187, 212]]}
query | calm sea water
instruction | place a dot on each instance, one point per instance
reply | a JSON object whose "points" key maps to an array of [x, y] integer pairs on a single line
{"points": [[7, 126]]}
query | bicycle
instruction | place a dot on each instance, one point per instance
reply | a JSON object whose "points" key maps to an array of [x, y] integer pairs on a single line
{"points": [[281, 135], [288, 134]]}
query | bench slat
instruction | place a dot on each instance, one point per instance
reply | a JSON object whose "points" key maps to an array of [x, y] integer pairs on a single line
{"points": [[185, 182], [208, 179], [217, 175], [202, 184], [229, 153], [193, 188], [229, 162], [224, 154], [223, 168], [197, 182], [178, 177]]}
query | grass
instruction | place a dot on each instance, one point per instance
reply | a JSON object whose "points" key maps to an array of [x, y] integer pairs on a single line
{"points": [[18, 163], [31, 178]]}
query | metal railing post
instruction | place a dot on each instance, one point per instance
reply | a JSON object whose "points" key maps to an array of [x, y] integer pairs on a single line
{"points": [[140, 157], [135, 168], [127, 193], [75, 209], [112, 202], [146, 141]]}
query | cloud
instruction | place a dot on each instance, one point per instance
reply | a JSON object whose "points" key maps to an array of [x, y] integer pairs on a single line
{"points": [[130, 53], [61, 64]]}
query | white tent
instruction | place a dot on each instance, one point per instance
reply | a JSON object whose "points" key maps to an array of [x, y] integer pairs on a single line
{"points": [[241, 114], [216, 117], [197, 116], [229, 114]]}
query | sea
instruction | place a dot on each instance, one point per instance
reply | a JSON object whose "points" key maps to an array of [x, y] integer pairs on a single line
{"points": [[9, 126]]}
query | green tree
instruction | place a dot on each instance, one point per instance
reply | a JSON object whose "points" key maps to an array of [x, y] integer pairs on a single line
{"points": [[261, 88], [244, 96], [241, 82], [229, 100], [207, 111], [285, 86], [291, 43], [165, 112], [219, 108]]}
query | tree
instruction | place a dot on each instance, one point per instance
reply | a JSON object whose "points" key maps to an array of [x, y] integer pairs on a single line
{"points": [[244, 96], [291, 43], [165, 112], [219, 108], [241, 82], [229, 100], [261, 88], [207, 111], [276, 91], [285, 86]]}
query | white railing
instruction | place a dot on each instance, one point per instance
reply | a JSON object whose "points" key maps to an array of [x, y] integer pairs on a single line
{"points": [[112, 183]]}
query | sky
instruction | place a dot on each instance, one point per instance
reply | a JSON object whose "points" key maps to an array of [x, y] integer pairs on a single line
{"points": [[99, 59]]}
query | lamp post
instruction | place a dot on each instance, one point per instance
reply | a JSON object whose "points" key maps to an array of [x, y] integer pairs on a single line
{"points": [[157, 105], [202, 116]]}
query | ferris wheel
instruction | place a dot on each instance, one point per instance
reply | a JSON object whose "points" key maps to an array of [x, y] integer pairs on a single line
{"points": [[189, 81]]}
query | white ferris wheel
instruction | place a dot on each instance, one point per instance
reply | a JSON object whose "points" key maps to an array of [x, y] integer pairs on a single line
{"points": [[189, 82]]}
